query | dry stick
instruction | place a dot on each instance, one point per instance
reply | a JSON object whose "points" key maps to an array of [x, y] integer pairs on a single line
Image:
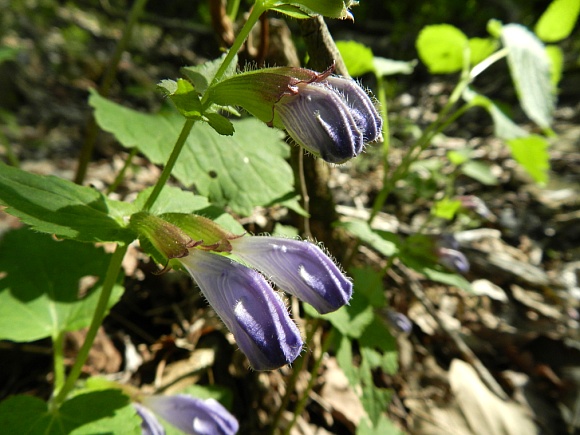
{"points": [[92, 130], [466, 352]]}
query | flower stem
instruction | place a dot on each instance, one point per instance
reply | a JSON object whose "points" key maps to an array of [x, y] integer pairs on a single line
{"points": [[170, 164], [98, 316], [119, 178]]}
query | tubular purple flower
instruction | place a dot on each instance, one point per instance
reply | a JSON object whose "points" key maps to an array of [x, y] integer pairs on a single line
{"points": [[399, 321], [249, 307], [332, 117], [189, 414], [298, 267], [149, 423], [453, 260]]}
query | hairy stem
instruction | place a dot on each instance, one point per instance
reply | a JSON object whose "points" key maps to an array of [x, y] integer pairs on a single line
{"points": [[170, 164]]}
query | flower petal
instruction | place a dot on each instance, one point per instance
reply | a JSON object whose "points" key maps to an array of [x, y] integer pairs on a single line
{"points": [[249, 307], [149, 424], [362, 108], [318, 119], [299, 267], [192, 415]]}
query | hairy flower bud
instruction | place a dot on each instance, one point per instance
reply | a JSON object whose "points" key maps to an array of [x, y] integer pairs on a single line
{"points": [[332, 117], [298, 267], [249, 307]]}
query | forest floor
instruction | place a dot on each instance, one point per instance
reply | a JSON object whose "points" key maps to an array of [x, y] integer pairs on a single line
{"points": [[519, 328]]}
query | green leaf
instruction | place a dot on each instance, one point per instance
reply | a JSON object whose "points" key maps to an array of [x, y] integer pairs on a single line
{"points": [[530, 71], [202, 75], [40, 290], [350, 320], [558, 21], [344, 358], [446, 208], [172, 200], [369, 283], [441, 47], [56, 206], [459, 157], [242, 171], [184, 96], [357, 57], [556, 56], [96, 412], [220, 123], [384, 242], [383, 426], [446, 278], [480, 48], [375, 400], [532, 153], [479, 171]]}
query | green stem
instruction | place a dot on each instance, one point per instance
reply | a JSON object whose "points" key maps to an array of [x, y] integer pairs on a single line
{"points": [[98, 317], [170, 164], [104, 89], [58, 361], [10, 155], [302, 403], [233, 8], [255, 13]]}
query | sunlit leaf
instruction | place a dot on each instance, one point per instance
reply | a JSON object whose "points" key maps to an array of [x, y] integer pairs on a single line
{"points": [[532, 153], [41, 291], [556, 56], [388, 67], [479, 171], [56, 206], [383, 242], [357, 57], [441, 47], [558, 21], [480, 48], [530, 71], [241, 171]]}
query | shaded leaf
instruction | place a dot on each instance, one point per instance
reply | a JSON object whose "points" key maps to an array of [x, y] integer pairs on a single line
{"points": [[202, 75], [530, 71], [56, 206], [96, 412], [41, 293]]}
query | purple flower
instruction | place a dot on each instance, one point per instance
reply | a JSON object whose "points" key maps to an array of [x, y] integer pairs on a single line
{"points": [[332, 117], [453, 259], [399, 321], [191, 415], [249, 307], [298, 267], [472, 202]]}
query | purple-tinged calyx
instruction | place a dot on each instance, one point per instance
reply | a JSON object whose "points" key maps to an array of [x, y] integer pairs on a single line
{"points": [[299, 267], [249, 307], [453, 259]]}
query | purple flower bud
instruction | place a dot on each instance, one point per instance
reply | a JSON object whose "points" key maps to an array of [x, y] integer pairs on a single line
{"points": [[189, 414], [298, 267], [453, 260], [249, 307], [331, 117], [399, 321]]}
